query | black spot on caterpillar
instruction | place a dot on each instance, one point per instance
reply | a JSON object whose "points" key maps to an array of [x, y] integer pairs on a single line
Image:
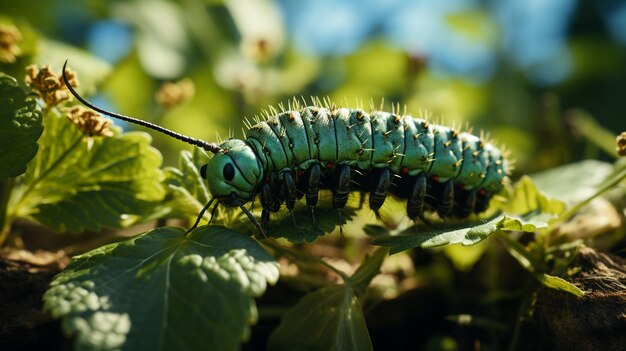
{"points": [[295, 153]]}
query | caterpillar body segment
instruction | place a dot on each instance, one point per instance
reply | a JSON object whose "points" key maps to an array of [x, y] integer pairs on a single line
{"points": [[300, 152]]}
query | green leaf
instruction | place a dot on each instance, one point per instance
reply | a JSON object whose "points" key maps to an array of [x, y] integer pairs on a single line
{"points": [[327, 319], [573, 182], [468, 234], [20, 128], [527, 198], [557, 283], [368, 270], [187, 190], [71, 187], [162, 290]]}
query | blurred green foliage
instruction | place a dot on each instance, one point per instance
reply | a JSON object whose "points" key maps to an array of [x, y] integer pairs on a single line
{"points": [[245, 55]]}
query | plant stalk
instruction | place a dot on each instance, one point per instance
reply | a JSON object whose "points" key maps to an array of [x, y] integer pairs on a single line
{"points": [[6, 188]]}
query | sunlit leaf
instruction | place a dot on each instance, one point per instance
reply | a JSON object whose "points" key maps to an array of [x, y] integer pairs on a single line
{"points": [[187, 190], [573, 182], [468, 234], [557, 283], [20, 128], [71, 187], [527, 198], [162, 290]]}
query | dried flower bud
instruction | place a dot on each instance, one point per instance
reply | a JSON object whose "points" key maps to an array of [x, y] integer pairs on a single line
{"points": [[621, 144], [173, 94], [10, 37], [89, 122], [50, 87]]}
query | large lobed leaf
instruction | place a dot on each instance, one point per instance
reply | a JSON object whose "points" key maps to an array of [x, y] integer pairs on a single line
{"points": [[71, 187], [162, 290], [20, 128]]}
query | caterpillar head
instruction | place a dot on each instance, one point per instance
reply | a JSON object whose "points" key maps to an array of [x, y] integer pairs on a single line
{"points": [[233, 173]]}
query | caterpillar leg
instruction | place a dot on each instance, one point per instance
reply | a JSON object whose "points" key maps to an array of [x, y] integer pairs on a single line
{"points": [[341, 191], [213, 213], [311, 189], [200, 215], [415, 203], [379, 188], [361, 199], [270, 202], [342, 186], [466, 200], [251, 218], [446, 198], [265, 219], [482, 202], [288, 189]]}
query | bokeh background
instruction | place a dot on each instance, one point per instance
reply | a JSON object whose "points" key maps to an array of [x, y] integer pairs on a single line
{"points": [[538, 76]]}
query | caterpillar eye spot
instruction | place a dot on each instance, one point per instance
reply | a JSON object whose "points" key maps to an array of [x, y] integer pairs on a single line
{"points": [[229, 172], [203, 172]]}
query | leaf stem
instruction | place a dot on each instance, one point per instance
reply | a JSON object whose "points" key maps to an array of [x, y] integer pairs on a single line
{"points": [[6, 188], [305, 257]]}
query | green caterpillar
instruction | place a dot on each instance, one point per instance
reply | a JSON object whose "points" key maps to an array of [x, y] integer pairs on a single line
{"points": [[294, 154]]}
